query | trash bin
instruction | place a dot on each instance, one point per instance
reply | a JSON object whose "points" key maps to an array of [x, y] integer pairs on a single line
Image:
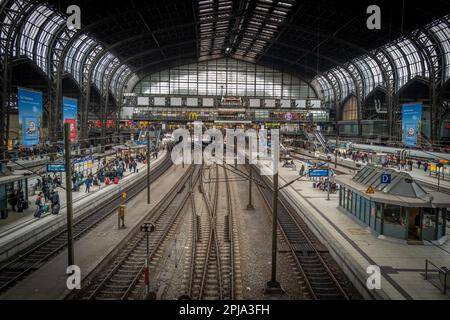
{"points": [[4, 213]]}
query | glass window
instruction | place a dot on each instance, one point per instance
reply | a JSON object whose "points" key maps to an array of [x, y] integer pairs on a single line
{"points": [[429, 219], [394, 222], [228, 77]]}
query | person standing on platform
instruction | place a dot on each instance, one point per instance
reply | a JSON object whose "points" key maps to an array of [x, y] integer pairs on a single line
{"points": [[55, 202], [13, 199], [302, 170], [134, 166], [88, 184], [38, 212], [425, 166]]}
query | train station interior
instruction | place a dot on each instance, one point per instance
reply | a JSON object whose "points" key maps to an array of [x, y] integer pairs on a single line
{"points": [[225, 150]]}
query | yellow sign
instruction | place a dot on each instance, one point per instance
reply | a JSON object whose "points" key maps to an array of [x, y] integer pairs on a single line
{"points": [[124, 195], [443, 161], [193, 116], [10, 144], [89, 164], [370, 190], [433, 167]]}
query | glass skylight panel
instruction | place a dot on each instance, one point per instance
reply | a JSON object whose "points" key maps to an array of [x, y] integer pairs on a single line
{"points": [[44, 41], [355, 73], [212, 35], [31, 28], [116, 76], [109, 68], [400, 64], [413, 57], [99, 70], [328, 92], [264, 23], [442, 32]]}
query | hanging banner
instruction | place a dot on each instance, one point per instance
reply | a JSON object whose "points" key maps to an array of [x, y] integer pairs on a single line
{"points": [[411, 124], [30, 116], [70, 115]]}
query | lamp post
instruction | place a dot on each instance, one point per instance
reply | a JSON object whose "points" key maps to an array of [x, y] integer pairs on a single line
{"points": [[147, 227], [328, 178], [439, 166], [148, 168], [273, 286], [68, 168]]}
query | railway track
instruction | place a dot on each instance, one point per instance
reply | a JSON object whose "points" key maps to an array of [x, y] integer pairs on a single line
{"points": [[120, 279], [33, 258], [318, 271], [213, 262]]}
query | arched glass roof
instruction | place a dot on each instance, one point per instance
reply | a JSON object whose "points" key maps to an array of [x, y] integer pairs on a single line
{"points": [[403, 59], [42, 39]]}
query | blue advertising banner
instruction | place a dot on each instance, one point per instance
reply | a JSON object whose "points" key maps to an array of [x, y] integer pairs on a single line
{"points": [[411, 124], [70, 115], [30, 116]]}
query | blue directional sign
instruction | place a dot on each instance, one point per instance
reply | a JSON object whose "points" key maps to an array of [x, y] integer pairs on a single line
{"points": [[386, 178], [316, 173], [56, 167]]}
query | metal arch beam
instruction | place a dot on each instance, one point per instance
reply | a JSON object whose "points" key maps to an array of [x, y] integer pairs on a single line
{"points": [[391, 90], [436, 66], [425, 58], [361, 72], [6, 69], [39, 33], [336, 105]]}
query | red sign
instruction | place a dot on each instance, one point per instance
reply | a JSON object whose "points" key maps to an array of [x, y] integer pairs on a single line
{"points": [[73, 129]]}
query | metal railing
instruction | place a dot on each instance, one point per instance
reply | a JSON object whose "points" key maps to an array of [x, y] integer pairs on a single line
{"points": [[437, 276]]}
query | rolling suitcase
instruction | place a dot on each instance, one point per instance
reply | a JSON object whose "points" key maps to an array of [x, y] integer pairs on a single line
{"points": [[56, 208]]}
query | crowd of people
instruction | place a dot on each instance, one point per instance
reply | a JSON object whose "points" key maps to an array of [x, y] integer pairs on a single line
{"points": [[47, 193], [323, 184], [31, 153], [391, 160]]}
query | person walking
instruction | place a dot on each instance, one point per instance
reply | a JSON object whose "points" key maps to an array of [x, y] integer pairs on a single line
{"points": [[302, 170], [134, 166], [425, 166]]}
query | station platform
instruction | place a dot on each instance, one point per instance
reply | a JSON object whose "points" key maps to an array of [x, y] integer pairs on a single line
{"points": [[355, 247], [93, 249], [21, 230], [419, 175]]}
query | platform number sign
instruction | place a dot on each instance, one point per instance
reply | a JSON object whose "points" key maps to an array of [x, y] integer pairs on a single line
{"points": [[386, 178]]}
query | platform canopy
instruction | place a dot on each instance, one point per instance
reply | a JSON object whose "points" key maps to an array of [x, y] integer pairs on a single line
{"points": [[400, 188]]}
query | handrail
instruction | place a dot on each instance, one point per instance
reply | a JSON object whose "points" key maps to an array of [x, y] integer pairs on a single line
{"points": [[443, 276]]}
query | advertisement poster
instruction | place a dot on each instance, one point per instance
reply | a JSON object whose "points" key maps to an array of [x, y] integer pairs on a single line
{"points": [[411, 124], [30, 116], [70, 114]]}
